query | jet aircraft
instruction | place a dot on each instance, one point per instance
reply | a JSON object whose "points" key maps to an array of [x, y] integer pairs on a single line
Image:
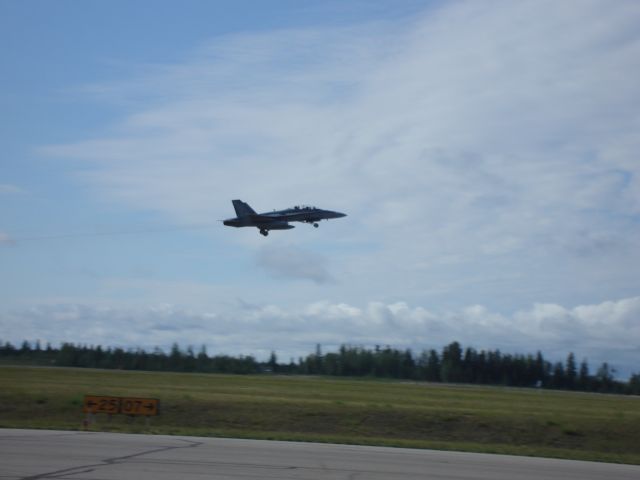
{"points": [[277, 220]]}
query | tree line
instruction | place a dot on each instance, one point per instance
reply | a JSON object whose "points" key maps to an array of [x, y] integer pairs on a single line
{"points": [[90, 356], [452, 364]]}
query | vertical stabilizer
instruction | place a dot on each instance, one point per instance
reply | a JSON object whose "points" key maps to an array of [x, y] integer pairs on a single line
{"points": [[242, 209]]}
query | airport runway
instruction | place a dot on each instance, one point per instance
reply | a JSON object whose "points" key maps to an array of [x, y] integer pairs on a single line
{"points": [[41, 454]]}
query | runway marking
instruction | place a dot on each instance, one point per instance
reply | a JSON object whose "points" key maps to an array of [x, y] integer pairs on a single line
{"points": [[109, 461]]}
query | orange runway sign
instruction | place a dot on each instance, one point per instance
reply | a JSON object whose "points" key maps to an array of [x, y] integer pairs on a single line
{"points": [[100, 404], [140, 406], [123, 405]]}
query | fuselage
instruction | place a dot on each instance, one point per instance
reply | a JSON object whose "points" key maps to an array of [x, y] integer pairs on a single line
{"points": [[278, 219]]}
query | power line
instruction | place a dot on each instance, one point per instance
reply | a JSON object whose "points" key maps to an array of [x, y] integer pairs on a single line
{"points": [[141, 231]]}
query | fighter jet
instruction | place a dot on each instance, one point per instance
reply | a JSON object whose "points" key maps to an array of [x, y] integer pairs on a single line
{"points": [[277, 220]]}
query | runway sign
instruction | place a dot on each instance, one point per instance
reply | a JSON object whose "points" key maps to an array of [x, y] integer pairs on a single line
{"points": [[100, 404], [123, 405], [140, 406]]}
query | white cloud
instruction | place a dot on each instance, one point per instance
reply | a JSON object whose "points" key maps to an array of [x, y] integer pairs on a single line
{"points": [[486, 153], [587, 330], [478, 132]]}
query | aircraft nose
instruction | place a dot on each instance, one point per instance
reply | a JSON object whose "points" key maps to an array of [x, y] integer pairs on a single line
{"points": [[339, 214]]}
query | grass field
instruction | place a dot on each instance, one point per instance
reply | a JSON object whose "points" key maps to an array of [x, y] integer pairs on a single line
{"points": [[371, 412]]}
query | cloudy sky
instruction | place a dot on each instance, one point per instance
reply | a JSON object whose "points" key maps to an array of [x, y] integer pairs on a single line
{"points": [[486, 154]]}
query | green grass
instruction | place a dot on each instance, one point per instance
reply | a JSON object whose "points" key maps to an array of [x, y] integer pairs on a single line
{"points": [[369, 412]]}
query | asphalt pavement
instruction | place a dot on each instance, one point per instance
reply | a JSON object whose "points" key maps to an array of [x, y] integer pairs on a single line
{"points": [[43, 454]]}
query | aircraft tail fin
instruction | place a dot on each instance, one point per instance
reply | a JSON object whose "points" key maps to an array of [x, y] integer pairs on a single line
{"points": [[242, 208]]}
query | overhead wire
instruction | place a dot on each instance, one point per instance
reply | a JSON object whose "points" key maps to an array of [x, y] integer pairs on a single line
{"points": [[16, 239]]}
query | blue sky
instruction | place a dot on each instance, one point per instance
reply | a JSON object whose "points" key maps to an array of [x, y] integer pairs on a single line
{"points": [[486, 153]]}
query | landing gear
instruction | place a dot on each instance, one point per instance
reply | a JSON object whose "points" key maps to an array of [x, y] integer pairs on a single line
{"points": [[264, 231], [315, 225]]}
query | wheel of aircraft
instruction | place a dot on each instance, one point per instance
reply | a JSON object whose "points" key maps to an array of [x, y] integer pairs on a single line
{"points": [[315, 225], [264, 232]]}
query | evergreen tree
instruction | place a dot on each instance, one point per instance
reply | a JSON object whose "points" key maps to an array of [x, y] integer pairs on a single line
{"points": [[604, 378], [481, 374], [8, 350], [584, 381], [433, 367], [451, 366], [558, 379], [273, 362], [175, 358], [494, 367], [202, 360], [469, 365], [407, 365], [25, 349], [316, 360], [571, 373], [541, 376], [189, 360]]}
